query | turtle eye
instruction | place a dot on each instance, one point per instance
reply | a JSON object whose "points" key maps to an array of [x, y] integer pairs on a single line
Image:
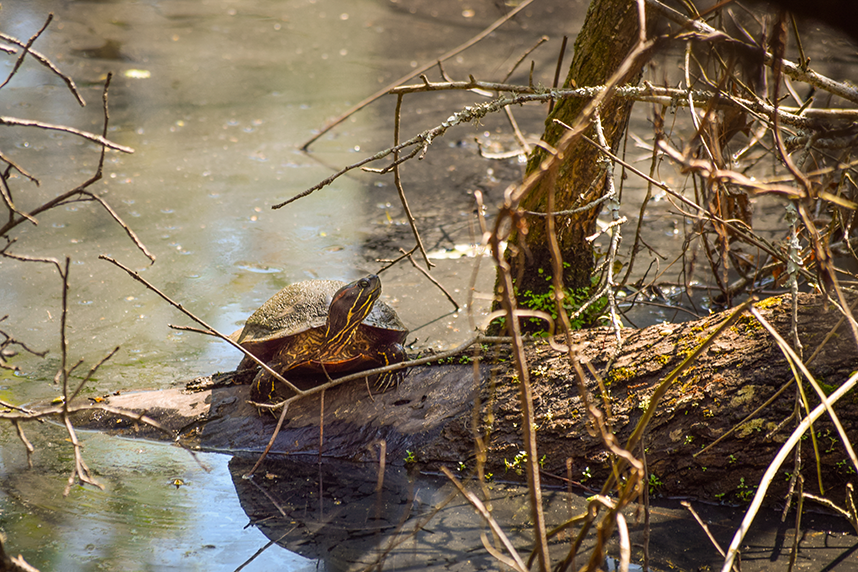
{"points": [[363, 283]]}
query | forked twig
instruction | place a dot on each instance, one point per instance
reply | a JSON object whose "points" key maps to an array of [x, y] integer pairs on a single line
{"points": [[26, 50]]}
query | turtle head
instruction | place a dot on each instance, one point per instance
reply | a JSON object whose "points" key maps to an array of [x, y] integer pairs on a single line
{"points": [[349, 306]]}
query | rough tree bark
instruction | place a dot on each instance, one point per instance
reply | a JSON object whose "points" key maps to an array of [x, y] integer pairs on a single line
{"points": [[610, 31]]}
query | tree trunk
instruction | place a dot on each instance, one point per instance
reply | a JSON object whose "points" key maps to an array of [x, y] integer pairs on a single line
{"points": [[610, 31], [428, 418]]}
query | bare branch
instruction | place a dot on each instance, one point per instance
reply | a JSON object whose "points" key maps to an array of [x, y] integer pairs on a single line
{"points": [[15, 122], [26, 48], [210, 330], [47, 63]]}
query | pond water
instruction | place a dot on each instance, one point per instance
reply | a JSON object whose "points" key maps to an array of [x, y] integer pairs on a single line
{"points": [[215, 97]]}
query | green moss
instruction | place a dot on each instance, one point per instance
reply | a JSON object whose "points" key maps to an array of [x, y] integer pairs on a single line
{"points": [[827, 389], [748, 325], [619, 374], [754, 425], [770, 303], [573, 299], [744, 396]]}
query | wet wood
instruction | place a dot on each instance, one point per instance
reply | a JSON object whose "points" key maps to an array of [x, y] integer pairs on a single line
{"points": [[430, 416]]}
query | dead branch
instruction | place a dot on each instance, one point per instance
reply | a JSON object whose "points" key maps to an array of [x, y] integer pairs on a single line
{"points": [[15, 122]]}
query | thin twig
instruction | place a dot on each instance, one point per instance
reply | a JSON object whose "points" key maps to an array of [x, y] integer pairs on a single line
{"points": [[430, 278], [795, 71], [397, 180], [47, 63], [19, 168], [190, 315], [271, 440], [516, 560], [557, 70], [26, 50], [29, 446], [775, 465], [523, 57], [785, 347], [15, 122]]}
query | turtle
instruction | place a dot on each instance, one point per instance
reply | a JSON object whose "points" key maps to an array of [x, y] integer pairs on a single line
{"points": [[317, 328]]}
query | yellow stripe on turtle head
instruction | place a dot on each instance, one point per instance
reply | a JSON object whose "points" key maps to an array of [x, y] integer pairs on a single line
{"points": [[349, 306]]}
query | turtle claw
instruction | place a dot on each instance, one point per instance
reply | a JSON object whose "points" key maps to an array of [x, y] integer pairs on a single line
{"points": [[386, 381]]}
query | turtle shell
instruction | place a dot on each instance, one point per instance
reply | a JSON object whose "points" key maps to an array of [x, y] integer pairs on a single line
{"points": [[303, 306]]}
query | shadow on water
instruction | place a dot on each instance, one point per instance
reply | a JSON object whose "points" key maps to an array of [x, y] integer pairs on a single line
{"points": [[346, 516]]}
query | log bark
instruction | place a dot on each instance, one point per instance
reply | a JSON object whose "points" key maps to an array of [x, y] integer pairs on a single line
{"points": [[429, 418]]}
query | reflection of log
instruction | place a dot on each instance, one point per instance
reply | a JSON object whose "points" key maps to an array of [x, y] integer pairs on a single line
{"points": [[345, 515], [431, 412]]}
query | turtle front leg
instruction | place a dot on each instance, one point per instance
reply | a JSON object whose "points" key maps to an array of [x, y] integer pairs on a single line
{"points": [[262, 388], [389, 356]]}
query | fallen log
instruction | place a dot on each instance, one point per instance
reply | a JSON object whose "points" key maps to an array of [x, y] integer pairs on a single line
{"points": [[429, 418]]}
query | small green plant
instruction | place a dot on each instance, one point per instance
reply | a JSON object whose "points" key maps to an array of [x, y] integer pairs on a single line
{"points": [[587, 473], [731, 459], [654, 483], [539, 371], [517, 463], [452, 360], [743, 491], [845, 465], [409, 457], [461, 466]]}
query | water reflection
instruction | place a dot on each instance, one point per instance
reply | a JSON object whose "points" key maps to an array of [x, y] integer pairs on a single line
{"points": [[351, 518], [141, 521]]}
